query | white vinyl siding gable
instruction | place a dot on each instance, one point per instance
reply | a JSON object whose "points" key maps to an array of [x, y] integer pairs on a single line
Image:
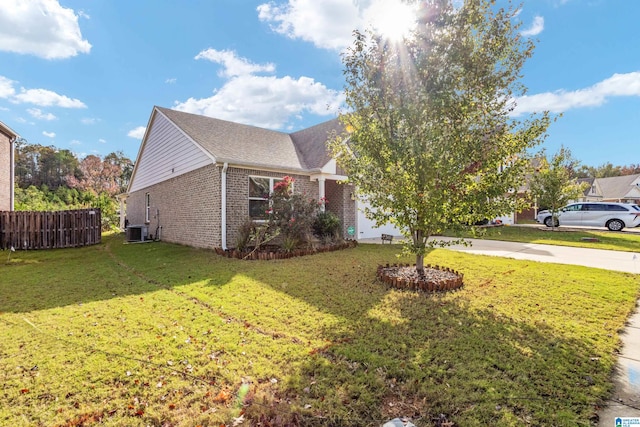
{"points": [[166, 153]]}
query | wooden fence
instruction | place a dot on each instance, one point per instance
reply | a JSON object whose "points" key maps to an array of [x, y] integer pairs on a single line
{"points": [[48, 230]]}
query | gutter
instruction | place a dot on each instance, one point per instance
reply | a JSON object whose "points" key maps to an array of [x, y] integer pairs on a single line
{"points": [[12, 173], [224, 205]]}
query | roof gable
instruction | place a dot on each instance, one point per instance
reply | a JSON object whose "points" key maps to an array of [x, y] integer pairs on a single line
{"points": [[166, 152], [8, 131], [236, 143], [617, 187], [311, 143]]}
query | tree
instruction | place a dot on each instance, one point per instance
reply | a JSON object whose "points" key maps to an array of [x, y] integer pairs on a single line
{"points": [[39, 165], [607, 170], [553, 185], [98, 176], [430, 141]]}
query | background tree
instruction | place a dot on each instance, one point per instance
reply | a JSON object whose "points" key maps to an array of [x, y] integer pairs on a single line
{"points": [[51, 179], [430, 143], [39, 165], [553, 184], [98, 176], [607, 170]]}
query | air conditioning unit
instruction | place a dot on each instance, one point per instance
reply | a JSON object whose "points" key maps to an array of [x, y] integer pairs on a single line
{"points": [[137, 233]]}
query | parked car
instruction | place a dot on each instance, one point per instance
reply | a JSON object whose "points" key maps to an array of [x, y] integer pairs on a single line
{"points": [[614, 216]]}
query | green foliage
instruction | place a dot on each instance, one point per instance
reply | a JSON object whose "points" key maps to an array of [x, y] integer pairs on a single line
{"points": [[50, 179], [326, 225], [607, 170], [582, 239], [552, 184], [160, 334], [65, 198], [291, 214], [430, 140], [244, 233]]}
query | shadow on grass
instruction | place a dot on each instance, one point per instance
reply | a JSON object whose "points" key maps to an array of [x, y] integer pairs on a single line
{"points": [[37, 280], [386, 353], [411, 354]]}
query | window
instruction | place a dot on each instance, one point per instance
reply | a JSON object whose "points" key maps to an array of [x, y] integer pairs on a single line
{"points": [[259, 190], [147, 205], [617, 208], [573, 208]]}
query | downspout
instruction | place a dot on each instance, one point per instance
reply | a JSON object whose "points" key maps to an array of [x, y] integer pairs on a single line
{"points": [[12, 174], [224, 205]]}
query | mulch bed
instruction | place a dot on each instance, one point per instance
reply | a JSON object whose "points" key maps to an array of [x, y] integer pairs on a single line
{"points": [[434, 279], [274, 252]]}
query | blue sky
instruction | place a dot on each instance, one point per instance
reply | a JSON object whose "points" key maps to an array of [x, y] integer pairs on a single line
{"points": [[84, 75]]}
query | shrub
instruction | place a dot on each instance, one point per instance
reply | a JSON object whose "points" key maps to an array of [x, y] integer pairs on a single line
{"points": [[291, 215], [326, 226]]}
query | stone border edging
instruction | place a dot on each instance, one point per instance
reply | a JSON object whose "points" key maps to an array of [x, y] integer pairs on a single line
{"points": [[423, 285]]}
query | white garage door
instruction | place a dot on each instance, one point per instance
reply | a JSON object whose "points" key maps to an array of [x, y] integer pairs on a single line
{"points": [[367, 229]]}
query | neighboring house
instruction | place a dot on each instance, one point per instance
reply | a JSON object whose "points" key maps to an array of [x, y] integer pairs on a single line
{"points": [[7, 173], [197, 179], [625, 189]]}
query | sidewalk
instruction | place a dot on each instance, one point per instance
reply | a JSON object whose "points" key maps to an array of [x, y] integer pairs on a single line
{"points": [[625, 400]]}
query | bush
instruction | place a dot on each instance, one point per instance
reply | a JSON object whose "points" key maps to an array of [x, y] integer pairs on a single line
{"points": [[291, 215], [326, 225]]}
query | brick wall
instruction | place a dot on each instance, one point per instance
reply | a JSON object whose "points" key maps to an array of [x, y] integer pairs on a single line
{"points": [[187, 208], [340, 203], [238, 196], [5, 173]]}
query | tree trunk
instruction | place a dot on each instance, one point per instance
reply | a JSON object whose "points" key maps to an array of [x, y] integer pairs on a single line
{"points": [[418, 244]]}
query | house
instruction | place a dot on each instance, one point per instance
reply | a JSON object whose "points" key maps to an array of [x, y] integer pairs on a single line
{"points": [[7, 173], [625, 189], [197, 179]]}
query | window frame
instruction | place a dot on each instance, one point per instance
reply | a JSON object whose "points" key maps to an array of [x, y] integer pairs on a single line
{"points": [[272, 181]]}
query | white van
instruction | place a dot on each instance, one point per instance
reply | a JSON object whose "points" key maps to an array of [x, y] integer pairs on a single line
{"points": [[614, 216]]}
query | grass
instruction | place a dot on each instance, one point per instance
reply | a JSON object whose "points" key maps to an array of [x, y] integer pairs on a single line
{"points": [[165, 335], [621, 241]]}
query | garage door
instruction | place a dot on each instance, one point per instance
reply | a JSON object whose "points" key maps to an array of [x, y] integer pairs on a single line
{"points": [[367, 229]]}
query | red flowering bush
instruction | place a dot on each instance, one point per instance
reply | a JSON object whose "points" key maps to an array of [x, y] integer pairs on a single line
{"points": [[291, 215]]}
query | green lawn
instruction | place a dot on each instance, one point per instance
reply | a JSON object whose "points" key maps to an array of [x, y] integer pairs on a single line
{"points": [[620, 241], [164, 335]]}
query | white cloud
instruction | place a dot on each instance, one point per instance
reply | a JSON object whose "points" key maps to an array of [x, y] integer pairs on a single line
{"points": [[47, 98], [102, 141], [42, 28], [6, 87], [40, 115], [137, 133], [88, 121], [265, 101], [536, 27], [234, 65], [75, 142], [49, 134], [328, 24], [617, 85], [170, 81]]}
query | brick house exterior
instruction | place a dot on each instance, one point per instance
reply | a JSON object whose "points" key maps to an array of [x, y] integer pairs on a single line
{"points": [[191, 179], [7, 139]]}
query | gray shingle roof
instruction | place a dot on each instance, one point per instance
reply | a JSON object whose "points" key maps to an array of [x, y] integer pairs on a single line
{"points": [[253, 146], [311, 143], [615, 187]]}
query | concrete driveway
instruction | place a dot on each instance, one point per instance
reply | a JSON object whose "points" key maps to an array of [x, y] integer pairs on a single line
{"points": [[625, 401]]}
